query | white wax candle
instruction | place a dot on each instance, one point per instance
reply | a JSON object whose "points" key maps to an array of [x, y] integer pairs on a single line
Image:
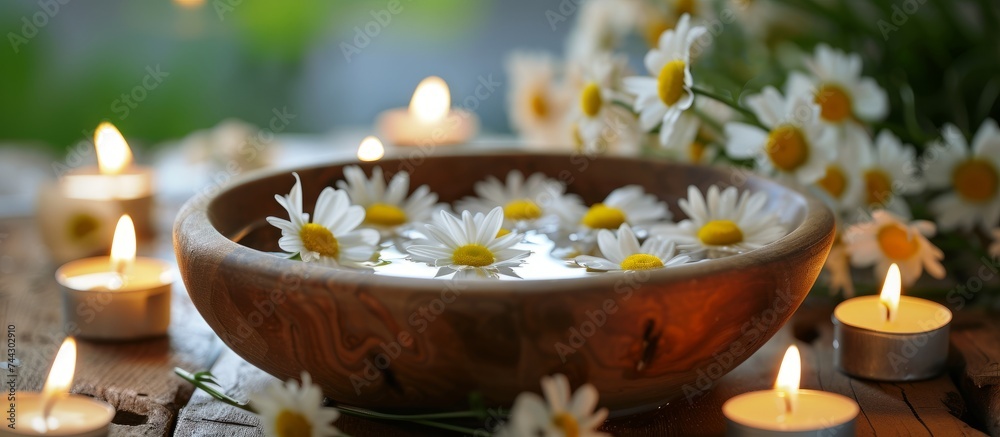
{"points": [[72, 415], [813, 411], [914, 315]]}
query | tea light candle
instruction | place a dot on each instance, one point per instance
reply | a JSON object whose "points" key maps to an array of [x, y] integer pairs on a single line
{"points": [[55, 412], [114, 187], [117, 297], [789, 411], [891, 337], [430, 119]]}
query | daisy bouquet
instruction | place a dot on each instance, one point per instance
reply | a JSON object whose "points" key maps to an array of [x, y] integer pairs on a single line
{"points": [[840, 100]]}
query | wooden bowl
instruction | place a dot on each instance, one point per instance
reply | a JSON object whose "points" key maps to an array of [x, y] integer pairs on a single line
{"points": [[395, 343]]}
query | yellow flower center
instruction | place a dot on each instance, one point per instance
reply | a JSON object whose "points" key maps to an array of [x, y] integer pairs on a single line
{"points": [[689, 7], [696, 151], [291, 424], [522, 210], [317, 238], [472, 255], [591, 100], [834, 103], [641, 261], [567, 424], [502, 232], [834, 182], [81, 226], [539, 104], [383, 214], [720, 233], [787, 148], [670, 83], [896, 243], [600, 216], [878, 187], [976, 180]]}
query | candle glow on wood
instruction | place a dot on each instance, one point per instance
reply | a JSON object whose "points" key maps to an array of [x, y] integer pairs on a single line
{"points": [[431, 100], [371, 149], [889, 298], [58, 383], [113, 153], [123, 247], [789, 375]]}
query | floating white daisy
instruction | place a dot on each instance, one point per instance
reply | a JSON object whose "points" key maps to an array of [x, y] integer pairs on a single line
{"points": [[973, 175], [888, 239], [601, 124], [387, 208], [527, 203], [623, 252], [796, 144], [469, 245], [725, 220], [331, 237], [561, 413], [629, 204], [837, 86], [293, 410], [661, 100], [538, 104]]}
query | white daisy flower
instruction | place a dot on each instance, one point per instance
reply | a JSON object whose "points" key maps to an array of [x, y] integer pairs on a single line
{"points": [[560, 414], [888, 172], [600, 124], [888, 239], [470, 244], [658, 17], [600, 27], [837, 87], [629, 204], [623, 252], [723, 220], [331, 237], [293, 410], [796, 144], [838, 268], [995, 246], [661, 100], [538, 104], [842, 186], [387, 209], [973, 175], [530, 202]]}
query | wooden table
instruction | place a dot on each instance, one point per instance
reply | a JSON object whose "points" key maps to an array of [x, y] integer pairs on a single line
{"points": [[137, 378]]}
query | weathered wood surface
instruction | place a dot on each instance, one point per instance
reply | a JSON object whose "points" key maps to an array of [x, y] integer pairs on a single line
{"points": [[135, 377]]}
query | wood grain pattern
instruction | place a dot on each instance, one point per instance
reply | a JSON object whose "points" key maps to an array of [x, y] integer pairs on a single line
{"points": [[135, 377], [367, 339], [975, 339]]}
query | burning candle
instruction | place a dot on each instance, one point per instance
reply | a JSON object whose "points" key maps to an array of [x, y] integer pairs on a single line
{"points": [[371, 149], [891, 337], [55, 412], [117, 297], [79, 212], [430, 120], [788, 410]]}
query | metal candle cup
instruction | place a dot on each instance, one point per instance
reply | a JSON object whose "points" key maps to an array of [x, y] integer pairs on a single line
{"points": [[912, 347], [75, 416]]}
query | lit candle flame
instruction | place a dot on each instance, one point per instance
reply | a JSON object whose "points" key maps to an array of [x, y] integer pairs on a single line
{"points": [[890, 293], [60, 376], [371, 149], [123, 247], [431, 100], [789, 375], [113, 153]]}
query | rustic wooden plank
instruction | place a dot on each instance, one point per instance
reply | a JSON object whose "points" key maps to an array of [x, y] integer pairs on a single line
{"points": [[975, 337], [135, 377]]}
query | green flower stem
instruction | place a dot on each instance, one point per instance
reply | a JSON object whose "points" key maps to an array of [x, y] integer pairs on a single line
{"points": [[732, 104], [206, 382], [360, 412]]}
